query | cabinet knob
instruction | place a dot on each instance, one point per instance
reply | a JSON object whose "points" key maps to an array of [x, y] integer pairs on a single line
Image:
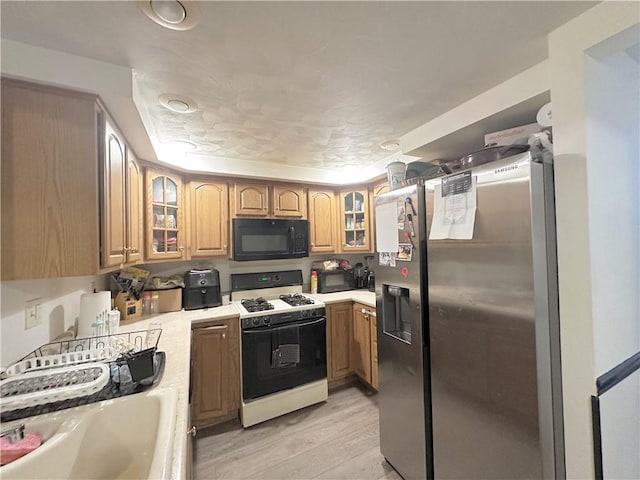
{"points": [[192, 431], [181, 249], [224, 335]]}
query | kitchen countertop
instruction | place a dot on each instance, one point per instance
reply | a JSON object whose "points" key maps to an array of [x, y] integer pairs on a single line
{"points": [[361, 296]]}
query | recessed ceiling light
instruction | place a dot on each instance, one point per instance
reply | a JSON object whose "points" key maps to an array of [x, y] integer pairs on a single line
{"points": [[173, 14], [177, 103], [170, 11], [390, 145]]}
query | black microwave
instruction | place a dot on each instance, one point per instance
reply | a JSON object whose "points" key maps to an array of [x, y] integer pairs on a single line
{"points": [[269, 239], [330, 281]]}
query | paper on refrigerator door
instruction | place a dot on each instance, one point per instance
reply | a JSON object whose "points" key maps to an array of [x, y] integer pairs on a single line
{"points": [[386, 227], [454, 209]]}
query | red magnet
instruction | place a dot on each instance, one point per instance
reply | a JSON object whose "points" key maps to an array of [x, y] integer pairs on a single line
{"points": [[404, 272]]}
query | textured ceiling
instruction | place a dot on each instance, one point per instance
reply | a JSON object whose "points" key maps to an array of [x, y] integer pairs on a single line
{"points": [[307, 84]]}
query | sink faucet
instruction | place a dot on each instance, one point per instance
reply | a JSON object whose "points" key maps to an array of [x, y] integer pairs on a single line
{"points": [[14, 434]]}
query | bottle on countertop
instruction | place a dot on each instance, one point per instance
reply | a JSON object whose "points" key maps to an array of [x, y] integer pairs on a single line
{"points": [[314, 281], [155, 303]]}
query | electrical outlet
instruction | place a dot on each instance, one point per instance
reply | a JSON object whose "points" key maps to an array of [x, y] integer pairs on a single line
{"points": [[32, 314]]}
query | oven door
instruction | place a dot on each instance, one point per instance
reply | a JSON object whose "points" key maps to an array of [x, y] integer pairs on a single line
{"points": [[282, 357]]}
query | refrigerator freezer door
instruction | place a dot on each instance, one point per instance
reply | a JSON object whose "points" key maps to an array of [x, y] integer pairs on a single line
{"points": [[482, 335], [400, 296]]}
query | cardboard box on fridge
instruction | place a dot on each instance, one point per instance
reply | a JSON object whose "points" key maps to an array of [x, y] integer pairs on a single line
{"points": [[130, 308], [511, 135], [169, 300]]}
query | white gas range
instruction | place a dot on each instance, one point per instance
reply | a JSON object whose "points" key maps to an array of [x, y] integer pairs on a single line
{"points": [[283, 345]]}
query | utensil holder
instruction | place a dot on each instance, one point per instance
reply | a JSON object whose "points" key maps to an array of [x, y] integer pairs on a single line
{"points": [[141, 364]]}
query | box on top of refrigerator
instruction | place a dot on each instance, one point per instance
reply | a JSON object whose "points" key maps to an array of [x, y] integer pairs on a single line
{"points": [[512, 135]]}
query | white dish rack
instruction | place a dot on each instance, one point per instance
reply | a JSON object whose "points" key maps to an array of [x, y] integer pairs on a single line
{"points": [[75, 368]]}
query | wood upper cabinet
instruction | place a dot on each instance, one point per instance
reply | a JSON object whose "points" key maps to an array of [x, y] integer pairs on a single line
{"points": [[135, 209], [322, 221], [354, 226], [339, 339], [114, 170], [288, 201], [121, 200], [361, 343], [215, 371], [252, 199], [164, 216], [208, 214], [49, 192]]}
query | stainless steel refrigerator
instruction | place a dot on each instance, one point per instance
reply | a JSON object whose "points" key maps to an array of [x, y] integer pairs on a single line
{"points": [[468, 329]]}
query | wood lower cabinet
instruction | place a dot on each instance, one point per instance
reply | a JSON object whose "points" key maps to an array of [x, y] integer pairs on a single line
{"points": [[339, 339], [209, 218], [322, 221], [365, 344], [215, 371], [50, 207]]}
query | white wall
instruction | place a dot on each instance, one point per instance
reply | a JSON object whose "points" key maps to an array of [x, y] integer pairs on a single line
{"points": [[576, 254], [612, 94], [59, 300]]}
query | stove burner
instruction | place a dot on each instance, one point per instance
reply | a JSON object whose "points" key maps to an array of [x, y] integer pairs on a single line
{"points": [[296, 300], [256, 304]]}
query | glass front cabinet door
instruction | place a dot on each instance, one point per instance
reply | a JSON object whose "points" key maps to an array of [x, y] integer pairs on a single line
{"points": [[165, 225], [354, 218]]}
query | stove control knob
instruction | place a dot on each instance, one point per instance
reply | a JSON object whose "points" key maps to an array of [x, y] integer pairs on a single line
{"points": [[256, 321], [304, 313], [203, 282], [266, 320]]}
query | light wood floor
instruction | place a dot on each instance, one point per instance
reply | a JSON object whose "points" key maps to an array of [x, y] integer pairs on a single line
{"points": [[338, 439]]}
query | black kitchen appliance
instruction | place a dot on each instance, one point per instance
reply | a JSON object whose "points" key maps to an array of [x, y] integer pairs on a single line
{"points": [[330, 281], [201, 289], [360, 277], [269, 239]]}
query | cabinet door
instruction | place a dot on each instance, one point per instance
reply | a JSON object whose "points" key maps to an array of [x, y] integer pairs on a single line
{"points": [[322, 221], [209, 375], [135, 209], [289, 201], [251, 199], [50, 209], [113, 198], [354, 221], [165, 227], [361, 344], [339, 339], [209, 218], [374, 351]]}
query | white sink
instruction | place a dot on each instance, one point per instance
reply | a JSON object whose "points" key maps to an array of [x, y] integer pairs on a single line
{"points": [[128, 437]]}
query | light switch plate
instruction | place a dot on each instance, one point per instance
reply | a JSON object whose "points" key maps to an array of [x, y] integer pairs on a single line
{"points": [[32, 312]]}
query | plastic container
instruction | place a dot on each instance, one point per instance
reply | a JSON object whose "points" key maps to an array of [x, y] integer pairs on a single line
{"points": [[155, 303], [395, 174], [146, 303]]}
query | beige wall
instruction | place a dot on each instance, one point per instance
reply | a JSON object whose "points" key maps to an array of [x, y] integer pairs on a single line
{"points": [[567, 47]]}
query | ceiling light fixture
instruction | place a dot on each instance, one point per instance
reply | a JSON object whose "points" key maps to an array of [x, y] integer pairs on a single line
{"points": [[177, 103], [170, 11], [390, 145], [172, 14]]}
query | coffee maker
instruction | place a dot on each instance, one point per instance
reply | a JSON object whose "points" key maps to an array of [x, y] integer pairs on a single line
{"points": [[201, 289], [359, 276], [370, 275]]}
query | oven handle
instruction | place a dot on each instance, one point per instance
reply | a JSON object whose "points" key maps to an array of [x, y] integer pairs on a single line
{"points": [[271, 327]]}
